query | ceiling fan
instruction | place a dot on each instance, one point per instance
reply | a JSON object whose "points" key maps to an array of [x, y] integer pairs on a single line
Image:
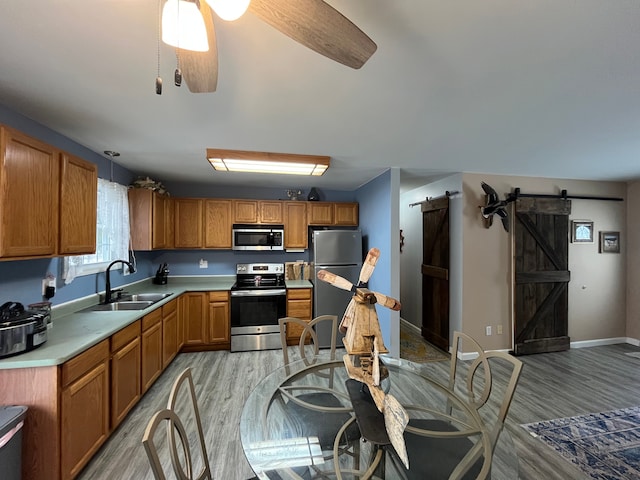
{"points": [[312, 23]]}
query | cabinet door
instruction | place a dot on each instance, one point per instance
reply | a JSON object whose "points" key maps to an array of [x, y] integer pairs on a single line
{"points": [[169, 332], [159, 222], [245, 211], [151, 355], [270, 212], [78, 205], [125, 380], [85, 419], [299, 306], [219, 328], [346, 214], [320, 213], [188, 222], [29, 172], [217, 224], [295, 225], [193, 308]]}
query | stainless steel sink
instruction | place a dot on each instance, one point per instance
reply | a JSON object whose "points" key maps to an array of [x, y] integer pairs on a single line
{"points": [[116, 306], [136, 301], [144, 297]]}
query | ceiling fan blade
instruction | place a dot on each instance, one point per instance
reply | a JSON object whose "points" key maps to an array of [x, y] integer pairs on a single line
{"points": [[318, 26], [200, 69]]}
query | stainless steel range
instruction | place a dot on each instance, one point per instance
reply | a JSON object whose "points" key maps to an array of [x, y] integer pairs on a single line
{"points": [[258, 300]]}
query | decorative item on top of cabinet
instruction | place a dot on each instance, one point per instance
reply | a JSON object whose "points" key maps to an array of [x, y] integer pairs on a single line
{"points": [[314, 195], [295, 225], [151, 219], [299, 306]]}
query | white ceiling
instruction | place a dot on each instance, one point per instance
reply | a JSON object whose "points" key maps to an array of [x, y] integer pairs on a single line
{"points": [[545, 88]]}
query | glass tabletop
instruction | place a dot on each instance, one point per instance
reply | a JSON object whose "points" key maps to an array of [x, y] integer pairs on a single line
{"points": [[299, 421]]}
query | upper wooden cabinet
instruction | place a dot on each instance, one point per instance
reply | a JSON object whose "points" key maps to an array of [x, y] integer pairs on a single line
{"points": [[48, 199], [151, 219], [29, 172], [332, 213], [295, 225], [78, 205], [188, 222], [217, 223], [258, 211]]}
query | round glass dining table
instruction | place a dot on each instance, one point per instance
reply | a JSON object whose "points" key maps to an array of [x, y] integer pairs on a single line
{"points": [[299, 422]]}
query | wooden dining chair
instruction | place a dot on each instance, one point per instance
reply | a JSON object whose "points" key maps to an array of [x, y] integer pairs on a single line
{"points": [[464, 453]]}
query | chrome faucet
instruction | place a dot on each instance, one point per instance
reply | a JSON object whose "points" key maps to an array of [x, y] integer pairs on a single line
{"points": [[108, 291]]}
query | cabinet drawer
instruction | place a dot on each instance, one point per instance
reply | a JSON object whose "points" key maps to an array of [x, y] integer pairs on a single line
{"points": [[299, 294], [301, 310], [78, 365], [151, 319], [219, 296], [169, 308], [124, 336]]}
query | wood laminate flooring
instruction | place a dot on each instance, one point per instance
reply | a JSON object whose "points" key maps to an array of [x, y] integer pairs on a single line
{"points": [[552, 385]]}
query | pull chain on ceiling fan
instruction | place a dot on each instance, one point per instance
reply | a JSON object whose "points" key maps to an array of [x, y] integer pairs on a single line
{"points": [[313, 23]]}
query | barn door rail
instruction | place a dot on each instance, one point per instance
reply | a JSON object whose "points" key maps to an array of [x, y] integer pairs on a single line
{"points": [[447, 194], [563, 195]]}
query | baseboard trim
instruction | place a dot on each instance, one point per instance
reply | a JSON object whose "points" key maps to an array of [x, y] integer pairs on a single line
{"points": [[410, 326], [605, 341]]}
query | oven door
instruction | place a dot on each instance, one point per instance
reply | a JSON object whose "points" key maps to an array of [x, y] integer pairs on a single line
{"points": [[257, 311]]}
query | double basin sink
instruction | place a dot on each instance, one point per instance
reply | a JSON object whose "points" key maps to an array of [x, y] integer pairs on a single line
{"points": [[137, 301]]}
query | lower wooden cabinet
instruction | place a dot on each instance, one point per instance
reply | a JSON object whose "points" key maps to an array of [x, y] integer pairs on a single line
{"points": [[299, 305], [169, 332], [206, 320], [219, 328], [84, 408], [151, 347], [125, 372]]}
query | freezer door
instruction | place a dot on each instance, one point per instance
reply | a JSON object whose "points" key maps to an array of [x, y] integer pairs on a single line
{"points": [[330, 300], [335, 247]]}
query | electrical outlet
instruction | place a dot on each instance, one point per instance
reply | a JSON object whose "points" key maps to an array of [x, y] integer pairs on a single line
{"points": [[204, 263], [499, 329], [488, 330]]}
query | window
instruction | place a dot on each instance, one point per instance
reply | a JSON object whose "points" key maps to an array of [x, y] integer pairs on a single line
{"points": [[112, 233]]}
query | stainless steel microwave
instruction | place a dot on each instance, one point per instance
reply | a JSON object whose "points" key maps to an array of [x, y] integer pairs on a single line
{"points": [[258, 237]]}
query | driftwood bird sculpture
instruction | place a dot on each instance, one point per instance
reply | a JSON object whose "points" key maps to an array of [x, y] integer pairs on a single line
{"points": [[363, 343], [495, 206]]}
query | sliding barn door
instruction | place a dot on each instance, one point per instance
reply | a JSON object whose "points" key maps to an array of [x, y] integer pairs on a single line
{"points": [[435, 272], [541, 275]]}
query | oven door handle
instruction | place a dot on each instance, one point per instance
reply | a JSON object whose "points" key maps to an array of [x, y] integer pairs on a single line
{"points": [[259, 293]]}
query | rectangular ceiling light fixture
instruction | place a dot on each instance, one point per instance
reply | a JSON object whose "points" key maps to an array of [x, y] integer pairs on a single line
{"points": [[267, 162]]}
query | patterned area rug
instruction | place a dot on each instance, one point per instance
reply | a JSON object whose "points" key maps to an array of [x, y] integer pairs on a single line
{"points": [[416, 349], [604, 445]]}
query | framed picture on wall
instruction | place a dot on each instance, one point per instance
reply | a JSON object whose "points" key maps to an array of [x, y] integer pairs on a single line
{"points": [[581, 231], [609, 242]]}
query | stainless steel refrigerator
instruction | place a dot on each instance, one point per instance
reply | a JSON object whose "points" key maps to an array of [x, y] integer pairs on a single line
{"points": [[339, 252]]}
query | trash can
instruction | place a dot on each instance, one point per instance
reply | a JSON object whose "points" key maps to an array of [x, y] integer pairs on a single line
{"points": [[11, 421]]}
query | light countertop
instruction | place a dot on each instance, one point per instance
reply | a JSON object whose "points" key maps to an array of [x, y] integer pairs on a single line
{"points": [[75, 330]]}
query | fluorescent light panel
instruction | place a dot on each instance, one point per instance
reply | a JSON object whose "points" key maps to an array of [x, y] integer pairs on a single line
{"points": [[266, 162]]}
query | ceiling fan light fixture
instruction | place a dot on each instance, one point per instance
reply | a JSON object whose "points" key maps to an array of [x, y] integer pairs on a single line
{"points": [[266, 162], [183, 26], [229, 9]]}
